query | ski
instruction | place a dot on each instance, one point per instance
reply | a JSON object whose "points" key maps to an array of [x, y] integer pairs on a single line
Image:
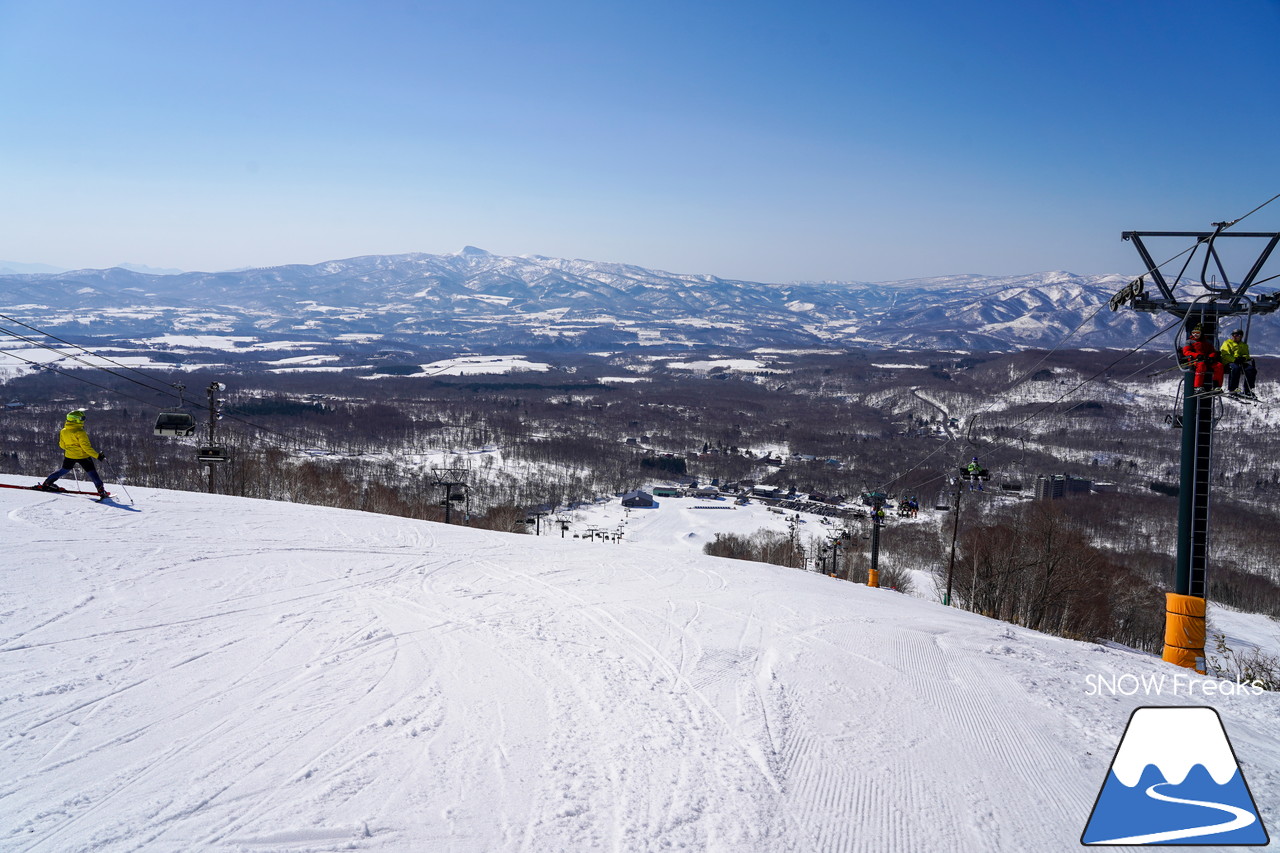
{"points": [[59, 491]]}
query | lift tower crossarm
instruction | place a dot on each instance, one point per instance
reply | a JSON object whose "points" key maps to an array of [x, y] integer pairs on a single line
{"points": [[1171, 299]]}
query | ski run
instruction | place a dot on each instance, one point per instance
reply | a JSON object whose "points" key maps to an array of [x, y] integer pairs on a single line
{"points": [[191, 672]]}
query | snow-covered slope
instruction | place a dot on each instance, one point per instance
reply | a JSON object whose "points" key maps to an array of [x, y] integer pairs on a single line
{"points": [[194, 672]]}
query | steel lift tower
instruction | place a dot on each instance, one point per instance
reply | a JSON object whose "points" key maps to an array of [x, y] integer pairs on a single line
{"points": [[1214, 302]]}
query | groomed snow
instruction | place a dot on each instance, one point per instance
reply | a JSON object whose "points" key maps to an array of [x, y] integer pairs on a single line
{"points": [[197, 672]]}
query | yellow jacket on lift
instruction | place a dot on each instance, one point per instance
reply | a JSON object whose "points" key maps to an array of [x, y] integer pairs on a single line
{"points": [[74, 442], [1234, 350]]}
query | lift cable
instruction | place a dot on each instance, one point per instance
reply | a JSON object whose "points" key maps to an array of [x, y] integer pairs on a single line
{"points": [[1030, 372], [168, 385], [81, 360], [998, 442], [226, 413], [1092, 378], [41, 366], [1219, 226], [1233, 222], [968, 433], [167, 389], [90, 365]]}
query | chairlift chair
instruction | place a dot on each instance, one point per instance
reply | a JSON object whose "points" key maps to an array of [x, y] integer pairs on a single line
{"points": [[178, 424], [1196, 318], [212, 454], [175, 424]]}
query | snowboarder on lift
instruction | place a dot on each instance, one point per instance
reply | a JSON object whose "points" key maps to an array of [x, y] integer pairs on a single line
{"points": [[1235, 355], [77, 450], [1204, 357]]}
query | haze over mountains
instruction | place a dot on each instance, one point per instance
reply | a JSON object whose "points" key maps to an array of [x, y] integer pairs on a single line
{"points": [[475, 298]]}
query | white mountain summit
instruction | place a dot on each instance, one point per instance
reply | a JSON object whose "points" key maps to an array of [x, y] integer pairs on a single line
{"points": [[535, 301]]}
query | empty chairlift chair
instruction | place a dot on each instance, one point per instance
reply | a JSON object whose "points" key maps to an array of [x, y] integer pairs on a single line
{"points": [[175, 424], [212, 454]]}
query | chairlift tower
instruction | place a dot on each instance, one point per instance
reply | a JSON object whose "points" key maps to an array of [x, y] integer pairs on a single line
{"points": [[212, 454], [1184, 624], [450, 478], [835, 544], [877, 500], [535, 518]]}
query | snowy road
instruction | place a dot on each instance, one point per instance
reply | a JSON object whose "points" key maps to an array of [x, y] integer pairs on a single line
{"points": [[220, 674]]}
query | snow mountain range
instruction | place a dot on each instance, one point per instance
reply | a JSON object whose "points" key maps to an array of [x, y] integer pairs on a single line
{"points": [[475, 298]]}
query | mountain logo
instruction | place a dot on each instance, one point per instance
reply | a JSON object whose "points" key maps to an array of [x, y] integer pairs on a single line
{"points": [[1175, 780]]}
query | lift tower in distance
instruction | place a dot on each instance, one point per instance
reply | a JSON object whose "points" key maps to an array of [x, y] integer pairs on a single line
{"points": [[1212, 302]]}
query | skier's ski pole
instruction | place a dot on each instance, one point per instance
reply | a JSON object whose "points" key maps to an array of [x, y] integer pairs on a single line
{"points": [[1163, 372], [128, 496]]}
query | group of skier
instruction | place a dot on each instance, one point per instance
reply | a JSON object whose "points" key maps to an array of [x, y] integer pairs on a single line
{"points": [[1211, 363]]}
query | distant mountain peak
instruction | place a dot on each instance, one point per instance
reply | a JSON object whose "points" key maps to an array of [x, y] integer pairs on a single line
{"points": [[15, 268], [146, 270], [534, 301]]}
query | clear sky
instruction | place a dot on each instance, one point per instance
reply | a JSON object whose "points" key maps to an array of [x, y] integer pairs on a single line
{"points": [[772, 141]]}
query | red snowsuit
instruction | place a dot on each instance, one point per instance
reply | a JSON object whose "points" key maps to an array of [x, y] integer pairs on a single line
{"points": [[1204, 356]]}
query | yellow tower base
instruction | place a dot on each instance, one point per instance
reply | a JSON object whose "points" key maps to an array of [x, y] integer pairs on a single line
{"points": [[1184, 631], [873, 577]]}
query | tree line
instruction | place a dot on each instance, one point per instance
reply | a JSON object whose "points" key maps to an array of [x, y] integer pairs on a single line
{"points": [[372, 445]]}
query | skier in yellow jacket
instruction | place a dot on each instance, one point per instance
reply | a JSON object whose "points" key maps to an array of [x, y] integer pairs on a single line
{"points": [[76, 450], [1235, 355]]}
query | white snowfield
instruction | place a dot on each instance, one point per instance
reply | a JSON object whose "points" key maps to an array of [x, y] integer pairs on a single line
{"points": [[196, 672]]}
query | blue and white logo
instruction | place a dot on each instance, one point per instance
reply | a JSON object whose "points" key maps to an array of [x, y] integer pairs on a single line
{"points": [[1175, 780]]}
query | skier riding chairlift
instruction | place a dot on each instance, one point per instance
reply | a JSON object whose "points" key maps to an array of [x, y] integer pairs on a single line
{"points": [[1201, 356], [1239, 364], [975, 474]]}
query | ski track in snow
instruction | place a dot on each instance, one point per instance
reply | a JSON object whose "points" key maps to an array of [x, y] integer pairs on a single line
{"points": [[219, 674]]}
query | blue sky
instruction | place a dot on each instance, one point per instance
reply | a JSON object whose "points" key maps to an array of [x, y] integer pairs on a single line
{"points": [[768, 141]]}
